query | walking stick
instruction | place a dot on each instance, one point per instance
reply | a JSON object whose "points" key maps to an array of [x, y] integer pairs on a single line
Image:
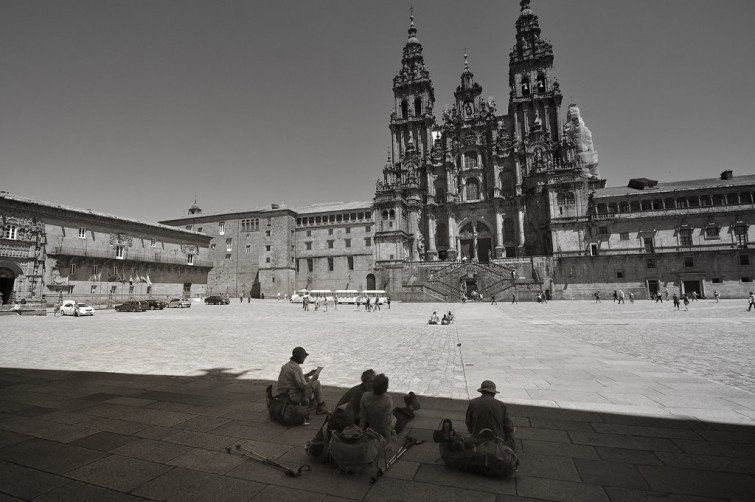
{"points": [[408, 443], [288, 471]]}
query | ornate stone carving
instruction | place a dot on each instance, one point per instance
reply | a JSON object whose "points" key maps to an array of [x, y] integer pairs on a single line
{"points": [[120, 239], [189, 249], [581, 137]]}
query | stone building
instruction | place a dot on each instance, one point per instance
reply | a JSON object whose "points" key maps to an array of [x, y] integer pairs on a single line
{"points": [[49, 251], [494, 202]]}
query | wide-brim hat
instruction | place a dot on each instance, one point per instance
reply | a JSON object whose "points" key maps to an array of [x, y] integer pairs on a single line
{"points": [[299, 351], [487, 386]]}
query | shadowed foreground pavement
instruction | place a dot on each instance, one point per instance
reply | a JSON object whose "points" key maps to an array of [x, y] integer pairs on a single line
{"points": [[86, 436]]}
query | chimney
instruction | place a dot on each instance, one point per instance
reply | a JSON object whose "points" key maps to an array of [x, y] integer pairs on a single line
{"points": [[727, 175]]}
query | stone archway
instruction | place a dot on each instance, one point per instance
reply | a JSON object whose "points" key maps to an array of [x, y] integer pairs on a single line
{"points": [[370, 281], [475, 241], [7, 281]]}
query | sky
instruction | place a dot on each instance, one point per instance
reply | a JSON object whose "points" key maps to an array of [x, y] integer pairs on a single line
{"points": [[137, 108]]}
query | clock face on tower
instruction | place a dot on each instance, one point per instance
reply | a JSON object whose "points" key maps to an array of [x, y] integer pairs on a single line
{"points": [[467, 109]]}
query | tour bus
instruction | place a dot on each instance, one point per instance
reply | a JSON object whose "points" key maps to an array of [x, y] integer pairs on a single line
{"points": [[322, 294], [346, 295], [298, 297], [376, 295]]}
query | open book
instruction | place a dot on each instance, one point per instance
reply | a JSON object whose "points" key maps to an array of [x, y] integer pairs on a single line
{"points": [[316, 373]]}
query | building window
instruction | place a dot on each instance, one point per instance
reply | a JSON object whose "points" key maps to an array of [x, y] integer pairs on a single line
{"points": [[212, 246], [267, 248], [717, 280], [95, 269], [347, 242], [330, 231], [685, 235], [248, 249], [392, 215], [561, 199], [624, 236], [740, 233], [73, 269], [221, 228], [330, 264], [508, 230], [525, 87], [228, 244], [689, 262], [269, 222], [746, 279], [603, 230], [153, 242], [470, 160], [113, 289], [649, 246], [712, 231], [367, 241], [650, 263], [82, 233], [190, 259], [350, 261], [309, 246], [593, 249], [119, 252], [367, 228], [267, 259], [330, 244], [744, 259], [228, 256], [309, 233], [267, 233], [348, 229], [473, 189], [188, 227], [11, 232], [199, 229], [310, 265], [619, 275]]}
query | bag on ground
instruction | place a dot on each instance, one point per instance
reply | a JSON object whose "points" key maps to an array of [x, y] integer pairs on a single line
{"points": [[486, 454], [352, 449], [283, 410]]}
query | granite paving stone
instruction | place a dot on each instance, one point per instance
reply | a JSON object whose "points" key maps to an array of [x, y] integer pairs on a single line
{"points": [[608, 403]]}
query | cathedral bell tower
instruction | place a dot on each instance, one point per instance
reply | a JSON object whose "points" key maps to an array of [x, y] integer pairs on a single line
{"points": [[400, 195]]}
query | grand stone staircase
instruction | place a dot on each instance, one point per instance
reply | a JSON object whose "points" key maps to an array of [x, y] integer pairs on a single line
{"points": [[449, 282]]}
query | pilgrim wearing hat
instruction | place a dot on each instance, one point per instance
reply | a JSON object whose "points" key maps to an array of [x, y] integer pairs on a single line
{"points": [[298, 386], [486, 412]]}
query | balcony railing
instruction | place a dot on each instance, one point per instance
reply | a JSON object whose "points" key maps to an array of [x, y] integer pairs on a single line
{"points": [[132, 255], [729, 246]]}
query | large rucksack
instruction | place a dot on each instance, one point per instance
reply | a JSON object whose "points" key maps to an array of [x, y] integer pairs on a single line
{"points": [[485, 454], [353, 449], [283, 410], [319, 446]]}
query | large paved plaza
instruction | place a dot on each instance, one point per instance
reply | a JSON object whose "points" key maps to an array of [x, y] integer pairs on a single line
{"points": [[611, 402]]}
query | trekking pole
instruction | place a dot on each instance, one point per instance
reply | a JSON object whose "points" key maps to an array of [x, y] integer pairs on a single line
{"points": [[288, 471], [408, 443]]}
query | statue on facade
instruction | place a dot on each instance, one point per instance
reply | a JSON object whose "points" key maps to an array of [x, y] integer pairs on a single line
{"points": [[581, 136]]}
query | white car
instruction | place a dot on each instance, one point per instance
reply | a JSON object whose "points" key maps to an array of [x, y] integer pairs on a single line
{"points": [[179, 303], [73, 308]]}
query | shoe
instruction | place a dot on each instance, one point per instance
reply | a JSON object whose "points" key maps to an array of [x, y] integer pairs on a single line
{"points": [[322, 409], [411, 401]]}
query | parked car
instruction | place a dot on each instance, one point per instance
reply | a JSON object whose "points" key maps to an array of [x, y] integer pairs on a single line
{"points": [[156, 304], [179, 303], [217, 300], [129, 306], [73, 308], [144, 304]]}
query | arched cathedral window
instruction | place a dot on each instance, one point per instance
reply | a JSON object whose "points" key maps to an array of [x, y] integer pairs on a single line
{"points": [[561, 199], [473, 189], [417, 107], [508, 230], [470, 160], [404, 109]]}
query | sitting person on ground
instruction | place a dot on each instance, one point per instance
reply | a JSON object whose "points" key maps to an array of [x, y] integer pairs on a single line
{"points": [[450, 316], [486, 412], [434, 319], [300, 387], [378, 413], [353, 396], [445, 320]]}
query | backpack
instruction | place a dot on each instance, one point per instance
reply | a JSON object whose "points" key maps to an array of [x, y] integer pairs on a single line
{"points": [[485, 454], [353, 449], [282, 410], [319, 446]]}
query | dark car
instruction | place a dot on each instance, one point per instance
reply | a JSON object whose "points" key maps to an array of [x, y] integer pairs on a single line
{"points": [[217, 300], [156, 304], [129, 306]]}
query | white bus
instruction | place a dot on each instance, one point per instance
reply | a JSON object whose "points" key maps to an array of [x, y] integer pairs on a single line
{"points": [[298, 297], [346, 295], [378, 295], [322, 294]]}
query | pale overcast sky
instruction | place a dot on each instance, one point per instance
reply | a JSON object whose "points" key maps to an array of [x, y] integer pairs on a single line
{"points": [[134, 107]]}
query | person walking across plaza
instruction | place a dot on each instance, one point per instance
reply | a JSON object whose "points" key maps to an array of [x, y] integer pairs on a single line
{"points": [[716, 295], [597, 297], [685, 300], [631, 297], [751, 301], [676, 301], [621, 297], [513, 298], [665, 293], [388, 301], [659, 297], [615, 296], [492, 300]]}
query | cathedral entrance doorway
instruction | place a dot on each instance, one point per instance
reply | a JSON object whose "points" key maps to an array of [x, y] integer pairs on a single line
{"points": [[370, 281], [475, 242], [7, 279]]}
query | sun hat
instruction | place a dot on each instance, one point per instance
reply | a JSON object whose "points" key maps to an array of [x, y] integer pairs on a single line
{"points": [[487, 386]]}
